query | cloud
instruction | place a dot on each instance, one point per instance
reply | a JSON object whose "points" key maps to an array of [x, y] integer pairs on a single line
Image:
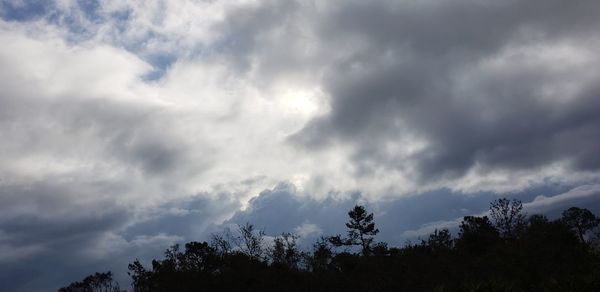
{"points": [[307, 229], [434, 90], [43, 222], [192, 218], [130, 125], [585, 196]]}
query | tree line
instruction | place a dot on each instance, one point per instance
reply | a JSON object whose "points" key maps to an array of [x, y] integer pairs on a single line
{"points": [[505, 250]]}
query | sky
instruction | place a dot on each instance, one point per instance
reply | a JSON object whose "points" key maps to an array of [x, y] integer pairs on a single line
{"points": [[127, 126]]}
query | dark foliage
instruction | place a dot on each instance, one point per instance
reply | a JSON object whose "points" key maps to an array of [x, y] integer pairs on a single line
{"points": [[98, 282], [508, 253], [508, 217], [580, 220]]}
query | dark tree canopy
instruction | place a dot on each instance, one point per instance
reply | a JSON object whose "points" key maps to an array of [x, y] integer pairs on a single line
{"points": [[285, 251], [321, 257], [580, 220], [440, 240], [98, 282], [476, 234], [508, 217], [508, 253]]}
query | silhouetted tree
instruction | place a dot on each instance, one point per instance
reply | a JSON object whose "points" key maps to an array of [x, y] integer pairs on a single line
{"points": [[285, 251], [142, 278], [580, 220], [321, 256], [476, 234], [98, 282], [361, 230], [550, 252], [440, 240], [380, 249], [222, 242], [507, 217], [250, 241], [199, 257], [541, 255]]}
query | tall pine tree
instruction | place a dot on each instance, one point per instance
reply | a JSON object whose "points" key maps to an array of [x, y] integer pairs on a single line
{"points": [[361, 231]]}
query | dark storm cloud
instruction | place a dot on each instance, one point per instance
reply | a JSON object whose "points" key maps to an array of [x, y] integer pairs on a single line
{"points": [[65, 231], [54, 213], [418, 71], [46, 227], [190, 218]]}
